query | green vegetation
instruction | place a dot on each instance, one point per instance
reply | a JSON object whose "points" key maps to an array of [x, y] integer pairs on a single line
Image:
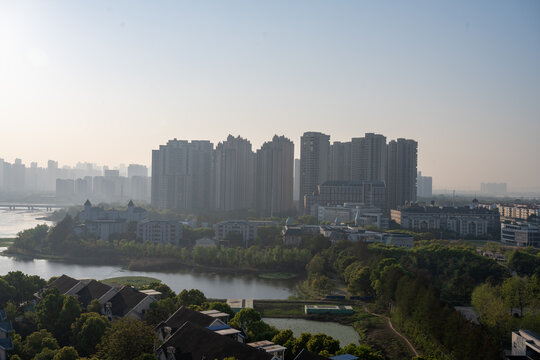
{"points": [[279, 308], [510, 305], [136, 281], [278, 275], [6, 241]]}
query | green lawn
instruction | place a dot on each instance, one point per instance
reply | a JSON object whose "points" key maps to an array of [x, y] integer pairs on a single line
{"points": [[137, 281], [279, 309], [278, 275]]}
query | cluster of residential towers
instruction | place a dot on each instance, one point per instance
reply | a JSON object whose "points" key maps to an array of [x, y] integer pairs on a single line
{"points": [[194, 176]]}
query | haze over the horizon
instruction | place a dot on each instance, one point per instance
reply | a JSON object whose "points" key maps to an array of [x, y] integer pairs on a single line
{"points": [[107, 82]]}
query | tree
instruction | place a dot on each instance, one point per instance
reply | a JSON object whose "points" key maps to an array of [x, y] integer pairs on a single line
{"points": [[190, 297], [94, 306], [7, 292], [11, 310], [46, 354], [223, 307], [363, 352], [321, 342], [49, 308], [360, 282], [66, 353], [316, 265], [38, 341], [164, 289], [244, 318], [515, 293], [71, 310], [87, 332], [126, 339], [25, 285], [159, 311], [524, 263]]}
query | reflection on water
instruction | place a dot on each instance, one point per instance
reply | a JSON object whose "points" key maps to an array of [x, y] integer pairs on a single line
{"points": [[345, 334], [13, 221], [211, 284]]}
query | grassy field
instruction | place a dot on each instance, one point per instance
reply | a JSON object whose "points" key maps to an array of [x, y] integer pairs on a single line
{"points": [[279, 309], [137, 281], [278, 275]]}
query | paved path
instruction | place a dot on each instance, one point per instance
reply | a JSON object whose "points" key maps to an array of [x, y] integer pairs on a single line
{"points": [[394, 330]]}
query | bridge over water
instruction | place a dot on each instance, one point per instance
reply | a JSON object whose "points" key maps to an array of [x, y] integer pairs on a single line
{"points": [[46, 207]]}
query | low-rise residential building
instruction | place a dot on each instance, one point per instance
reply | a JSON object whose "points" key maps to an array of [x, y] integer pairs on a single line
{"points": [[520, 234], [277, 351], [95, 213], [115, 301], [212, 320], [160, 231], [293, 234], [6, 329], [332, 193], [246, 228], [361, 214], [518, 211], [525, 346], [193, 341], [474, 220]]}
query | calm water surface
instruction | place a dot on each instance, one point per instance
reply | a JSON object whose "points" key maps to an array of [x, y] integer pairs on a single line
{"points": [[214, 285], [13, 221], [345, 334]]}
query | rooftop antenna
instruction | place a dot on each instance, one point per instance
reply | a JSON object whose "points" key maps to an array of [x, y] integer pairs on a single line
{"points": [[454, 198]]}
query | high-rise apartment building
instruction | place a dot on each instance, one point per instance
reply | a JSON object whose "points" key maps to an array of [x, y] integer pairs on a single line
{"points": [[424, 187], [233, 175], [314, 161], [401, 172], [296, 186], [368, 158], [136, 170], [274, 177], [181, 172], [340, 161]]}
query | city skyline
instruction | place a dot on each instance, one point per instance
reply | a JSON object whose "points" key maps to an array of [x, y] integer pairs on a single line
{"points": [[104, 83]]}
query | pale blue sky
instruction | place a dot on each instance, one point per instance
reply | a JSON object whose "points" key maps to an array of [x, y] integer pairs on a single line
{"points": [[107, 81]]}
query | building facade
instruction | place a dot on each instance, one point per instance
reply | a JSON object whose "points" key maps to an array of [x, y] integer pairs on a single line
{"points": [[332, 193], [402, 172], [274, 177], [248, 229], [314, 161], [181, 173], [160, 231], [520, 234], [233, 175], [463, 221]]}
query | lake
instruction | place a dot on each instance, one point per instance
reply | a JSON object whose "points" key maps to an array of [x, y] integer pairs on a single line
{"points": [[212, 284], [345, 334], [13, 221]]}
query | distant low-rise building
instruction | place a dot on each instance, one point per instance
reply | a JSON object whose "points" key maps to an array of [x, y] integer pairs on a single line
{"points": [[160, 231], [473, 220], [520, 234], [361, 214], [518, 211], [95, 213], [332, 193], [247, 229]]}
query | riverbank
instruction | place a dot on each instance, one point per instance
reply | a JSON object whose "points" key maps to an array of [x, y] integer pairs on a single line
{"points": [[373, 331], [150, 264]]}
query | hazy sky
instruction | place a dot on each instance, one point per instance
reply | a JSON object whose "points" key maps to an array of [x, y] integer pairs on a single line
{"points": [[108, 81]]}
